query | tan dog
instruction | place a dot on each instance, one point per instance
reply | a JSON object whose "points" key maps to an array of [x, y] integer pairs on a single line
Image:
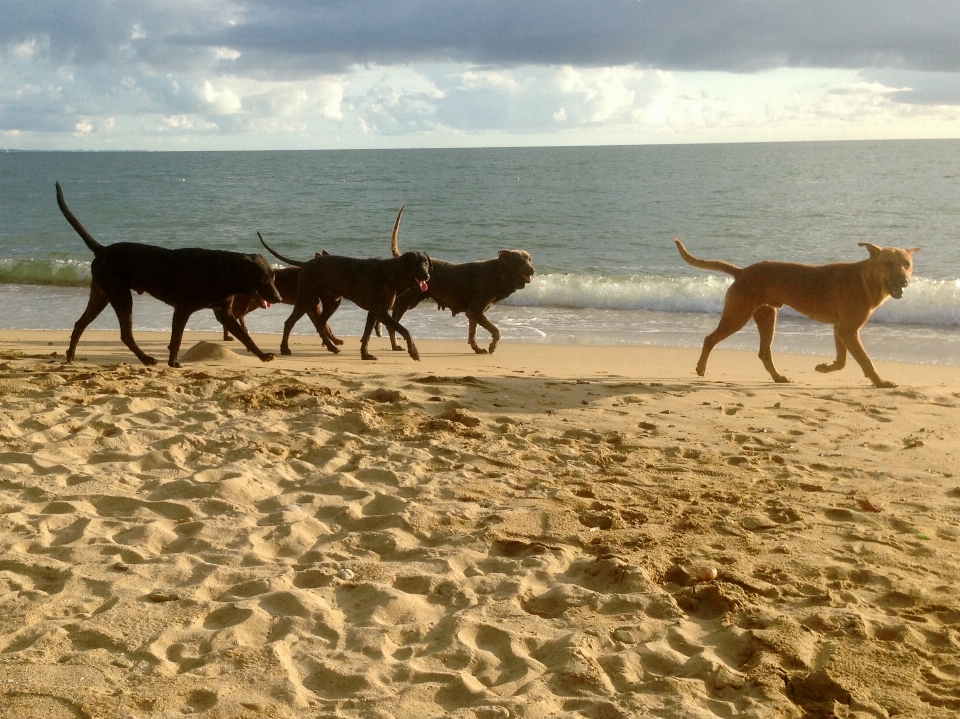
{"points": [[843, 294]]}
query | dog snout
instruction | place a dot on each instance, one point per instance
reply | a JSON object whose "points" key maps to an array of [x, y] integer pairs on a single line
{"points": [[272, 294]]}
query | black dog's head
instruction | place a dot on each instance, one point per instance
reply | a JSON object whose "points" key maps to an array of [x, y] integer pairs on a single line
{"points": [[517, 267], [416, 265], [257, 277]]}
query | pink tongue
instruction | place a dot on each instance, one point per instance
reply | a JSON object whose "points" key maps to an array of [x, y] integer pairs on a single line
{"points": [[264, 304], [423, 286]]}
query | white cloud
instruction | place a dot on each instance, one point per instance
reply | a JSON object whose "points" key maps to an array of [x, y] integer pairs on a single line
{"points": [[226, 53], [473, 79], [24, 51], [223, 100], [181, 123]]}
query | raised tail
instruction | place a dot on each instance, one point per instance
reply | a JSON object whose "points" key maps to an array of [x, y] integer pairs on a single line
{"points": [[95, 246], [716, 265], [278, 255], [394, 245]]}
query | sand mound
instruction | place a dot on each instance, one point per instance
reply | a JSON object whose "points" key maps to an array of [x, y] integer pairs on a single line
{"points": [[204, 351]]}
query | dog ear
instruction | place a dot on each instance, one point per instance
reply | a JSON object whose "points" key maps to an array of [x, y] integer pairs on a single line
{"points": [[913, 250], [503, 254], [871, 248]]}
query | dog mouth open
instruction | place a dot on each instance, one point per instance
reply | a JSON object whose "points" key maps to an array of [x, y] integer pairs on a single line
{"points": [[895, 289], [422, 284]]}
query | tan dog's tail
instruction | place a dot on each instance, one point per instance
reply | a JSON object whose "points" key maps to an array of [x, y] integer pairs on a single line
{"points": [[716, 265], [94, 246], [394, 245]]}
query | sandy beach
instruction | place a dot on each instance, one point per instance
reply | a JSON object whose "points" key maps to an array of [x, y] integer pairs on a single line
{"points": [[550, 531]]}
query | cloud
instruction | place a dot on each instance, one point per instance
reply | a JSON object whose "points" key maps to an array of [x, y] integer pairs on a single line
{"points": [[98, 71], [733, 35], [290, 37]]}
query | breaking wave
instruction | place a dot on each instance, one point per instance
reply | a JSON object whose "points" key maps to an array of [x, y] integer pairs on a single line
{"points": [[928, 302], [925, 302]]}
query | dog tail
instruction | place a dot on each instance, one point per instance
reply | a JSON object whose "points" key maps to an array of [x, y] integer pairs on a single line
{"points": [[394, 245], [95, 246], [278, 255], [716, 265]]}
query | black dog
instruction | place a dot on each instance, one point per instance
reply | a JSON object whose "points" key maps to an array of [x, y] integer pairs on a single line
{"points": [[189, 279], [285, 279], [372, 284], [468, 287]]}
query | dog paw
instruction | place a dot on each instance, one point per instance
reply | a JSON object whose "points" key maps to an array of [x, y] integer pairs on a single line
{"points": [[267, 357], [368, 356], [781, 380], [480, 350], [884, 384], [175, 365], [285, 351]]}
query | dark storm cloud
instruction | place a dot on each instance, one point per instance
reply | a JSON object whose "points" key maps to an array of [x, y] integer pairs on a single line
{"points": [[283, 38], [732, 35]]}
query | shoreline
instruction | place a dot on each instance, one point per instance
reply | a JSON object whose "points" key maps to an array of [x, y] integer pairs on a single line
{"points": [[51, 308], [635, 362], [550, 531]]}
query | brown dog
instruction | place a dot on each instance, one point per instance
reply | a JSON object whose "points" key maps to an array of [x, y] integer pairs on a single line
{"points": [[188, 279], [843, 294], [468, 287]]}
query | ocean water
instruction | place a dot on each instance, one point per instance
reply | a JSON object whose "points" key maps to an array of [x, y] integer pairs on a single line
{"points": [[597, 220]]}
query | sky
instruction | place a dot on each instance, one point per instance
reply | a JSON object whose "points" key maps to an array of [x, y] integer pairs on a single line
{"points": [[296, 74]]}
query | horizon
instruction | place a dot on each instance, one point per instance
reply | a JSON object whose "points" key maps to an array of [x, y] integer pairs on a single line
{"points": [[13, 150]]}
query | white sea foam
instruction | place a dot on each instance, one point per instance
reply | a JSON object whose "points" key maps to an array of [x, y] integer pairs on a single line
{"points": [[929, 302]]}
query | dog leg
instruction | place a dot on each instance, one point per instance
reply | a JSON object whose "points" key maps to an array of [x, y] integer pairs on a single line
{"points": [[396, 314], [323, 329], [180, 317], [95, 305], [365, 340], [227, 337], [239, 330], [766, 319], [298, 312], [851, 338], [472, 335], [481, 319], [395, 326], [122, 302], [736, 314], [841, 360], [403, 303]]}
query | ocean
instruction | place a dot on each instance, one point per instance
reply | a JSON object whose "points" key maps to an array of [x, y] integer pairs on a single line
{"points": [[599, 222]]}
